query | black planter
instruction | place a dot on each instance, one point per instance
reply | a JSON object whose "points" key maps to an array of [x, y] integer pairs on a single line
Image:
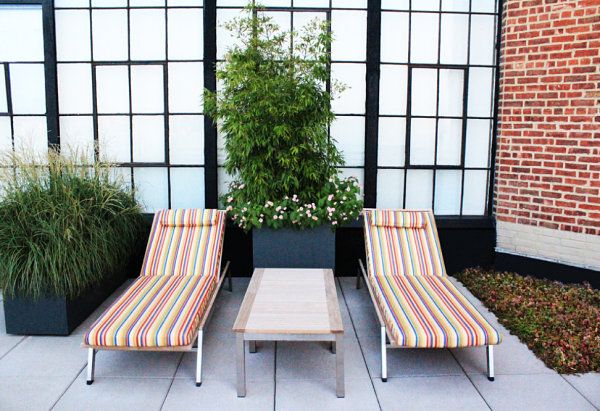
{"points": [[287, 247], [54, 315]]}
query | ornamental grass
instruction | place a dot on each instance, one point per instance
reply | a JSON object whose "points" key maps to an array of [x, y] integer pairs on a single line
{"points": [[559, 323]]}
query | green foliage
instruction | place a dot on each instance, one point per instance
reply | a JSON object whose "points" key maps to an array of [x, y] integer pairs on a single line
{"points": [[559, 323], [64, 224], [274, 111]]}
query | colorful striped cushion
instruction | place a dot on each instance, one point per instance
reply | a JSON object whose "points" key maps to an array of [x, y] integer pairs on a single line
{"points": [[396, 218], [155, 311], [429, 312], [181, 243]]}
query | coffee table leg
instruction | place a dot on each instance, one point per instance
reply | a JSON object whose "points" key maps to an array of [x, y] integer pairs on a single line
{"points": [[339, 365], [241, 366], [252, 346]]}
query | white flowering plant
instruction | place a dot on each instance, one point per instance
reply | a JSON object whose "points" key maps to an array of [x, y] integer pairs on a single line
{"points": [[338, 202]]}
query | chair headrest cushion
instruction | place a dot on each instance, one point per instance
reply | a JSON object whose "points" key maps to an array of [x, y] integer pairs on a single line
{"points": [[398, 219], [187, 218]]}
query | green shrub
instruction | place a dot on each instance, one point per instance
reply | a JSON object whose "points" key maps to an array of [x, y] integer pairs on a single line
{"points": [[559, 323], [64, 224]]}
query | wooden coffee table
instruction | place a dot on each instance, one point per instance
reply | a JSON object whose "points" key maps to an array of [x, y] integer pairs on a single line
{"points": [[290, 304]]}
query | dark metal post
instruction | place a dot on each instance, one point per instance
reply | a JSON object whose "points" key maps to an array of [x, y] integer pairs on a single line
{"points": [[210, 82]]}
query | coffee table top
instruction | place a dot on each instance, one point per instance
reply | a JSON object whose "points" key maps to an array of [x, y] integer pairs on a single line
{"points": [[290, 301]]}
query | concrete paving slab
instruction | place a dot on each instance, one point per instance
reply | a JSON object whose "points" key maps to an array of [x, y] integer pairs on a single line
{"points": [[588, 385], [31, 393], [7, 341], [136, 364]]}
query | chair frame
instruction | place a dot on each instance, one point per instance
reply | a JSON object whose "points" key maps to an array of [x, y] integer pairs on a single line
{"points": [[195, 346]]}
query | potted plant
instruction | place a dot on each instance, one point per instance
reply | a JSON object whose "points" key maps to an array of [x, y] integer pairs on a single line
{"points": [[67, 232], [274, 111]]}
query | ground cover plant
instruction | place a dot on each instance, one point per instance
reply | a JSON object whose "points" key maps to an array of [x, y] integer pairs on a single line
{"points": [[559, 323]]}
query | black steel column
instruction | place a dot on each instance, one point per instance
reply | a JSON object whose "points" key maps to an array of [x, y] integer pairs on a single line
{"points": [[210, 82], [50, 73]]}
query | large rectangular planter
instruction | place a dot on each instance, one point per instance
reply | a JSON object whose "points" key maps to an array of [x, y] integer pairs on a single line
{"points": [[288, 247], [54, 315]]}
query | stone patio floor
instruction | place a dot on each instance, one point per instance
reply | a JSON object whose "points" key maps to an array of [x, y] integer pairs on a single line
{"points": [[42, 373]]}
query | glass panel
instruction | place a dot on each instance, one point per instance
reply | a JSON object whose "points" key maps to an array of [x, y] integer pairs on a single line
{"points": [[151, 188], [77, 135], [275, 3], [122, 176], [186, 139], [184, 3], [475, 192], [147, 89], [112, 89], [281, 18], [419, 189], [5, 134], [27, 88], [426, 5], [478, 143], [3, 95], [225, 3], [225, 39], [352, 100], [392, 141], [21, 36], [73, 35], [187, 188], [395, 4], [349, 132], [482, 40], [71, 3], [451, 93], [186, 85], [75, 88], [311, 3], [424, 38], [390, 188], [186, 35], [109, 3], [146, 3], [394, 37], [350, 4], [480, 92], [447, 192], [424, 92], [422, 141], [455, 5], [223, 180], [147, 34], [350, 35], [221, 153], [359, 173], [392, 90], [149, 139], [31, 134], [114, 138], [455, 34], [109, 33], [484, 6], [449, 144]]}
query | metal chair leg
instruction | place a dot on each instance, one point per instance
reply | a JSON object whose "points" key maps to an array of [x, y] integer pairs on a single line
{"points": [[199, 360], [90, 367], [383, 356], [490, 362]]}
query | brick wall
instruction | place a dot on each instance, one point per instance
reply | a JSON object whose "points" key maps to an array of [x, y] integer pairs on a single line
{"points": [[548, 145]]}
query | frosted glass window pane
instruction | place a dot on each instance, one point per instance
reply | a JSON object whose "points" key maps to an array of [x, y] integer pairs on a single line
{"points": [[146, 3], [419, 189], [71, 3], [302, 19], [3, 95], [147, 34], [350, 35], [221, 153], [456, 5], [73, 35], [426, 5], [77, 135], [184, 2], [391, 142], [395, 4], [349, 4], [186, 85], [114, 138], [112, 89], [394, 37], [475, 192], [149, 139], [225, 39], [359, 173], [455, 34], [311, 3], [27, 88], [147, 88], [349, 132], [478, 143], [451, 93], [447, 192], [424, 38], [121, 176], [186, 34], [223, 180], [424, 92], [390, 188], [484, 6], [186, 139], [151, 188], [281, 19], [225, 3], [5, 134], [480, 92], [482, 40], [187, 188], [109, 3], [449, 146], [392, 90], [21, 37], [109, 33], [31, 134], [422, 141], [352, 100], [75, 88]]}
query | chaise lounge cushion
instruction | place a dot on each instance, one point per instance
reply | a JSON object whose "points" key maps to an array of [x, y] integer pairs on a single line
{"points": [[155, 311]]}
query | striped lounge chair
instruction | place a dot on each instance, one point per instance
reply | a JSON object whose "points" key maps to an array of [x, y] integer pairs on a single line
{"points": [[417, 306], [167, 307]]}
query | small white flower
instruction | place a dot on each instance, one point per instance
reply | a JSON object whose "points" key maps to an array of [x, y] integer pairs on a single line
{"points": [[281, 217], [278, 208], [274, 217], [260, 220], [347, 188], [330, 197], [229, 199], [315, 217], [242, 186]]}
